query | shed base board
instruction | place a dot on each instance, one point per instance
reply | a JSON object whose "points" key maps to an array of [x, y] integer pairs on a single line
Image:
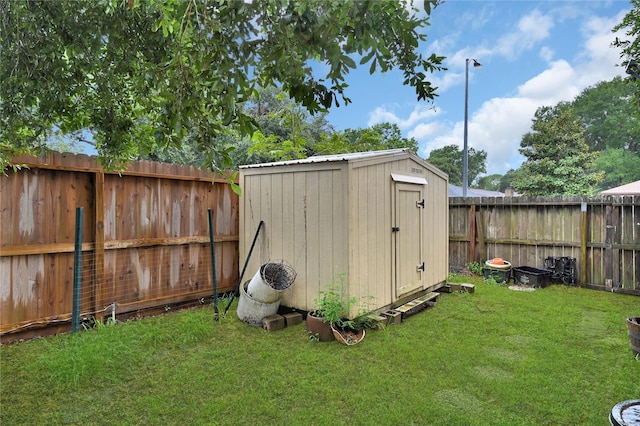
{"points": [[393, 306], [407, 298]]}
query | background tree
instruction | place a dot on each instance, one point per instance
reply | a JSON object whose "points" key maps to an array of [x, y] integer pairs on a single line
{"points": [[612, 127], [506, 181], [558, 161], [490, 182], [618, 166], [449, 159], [607, 115], [143, 74], [288, 132], [630, 46], [377, 137]]}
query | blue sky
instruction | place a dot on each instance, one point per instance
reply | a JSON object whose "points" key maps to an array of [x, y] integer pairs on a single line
{"points": [[533, 53]]}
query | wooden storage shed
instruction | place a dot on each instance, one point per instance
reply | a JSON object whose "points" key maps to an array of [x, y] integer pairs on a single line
{"points": [[375, 223]]}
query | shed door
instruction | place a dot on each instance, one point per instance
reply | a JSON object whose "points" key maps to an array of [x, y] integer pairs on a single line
{"points": [[408, 213]]}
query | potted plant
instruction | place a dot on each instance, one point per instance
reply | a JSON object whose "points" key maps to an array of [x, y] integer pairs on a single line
{"points": [[348, 332], [329, 308], [329, 318]]}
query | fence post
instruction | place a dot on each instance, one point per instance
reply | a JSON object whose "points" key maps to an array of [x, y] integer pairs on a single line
{"points": [[77, 261], [472, 233], [583, 244], [481, 247], [611, 252]]}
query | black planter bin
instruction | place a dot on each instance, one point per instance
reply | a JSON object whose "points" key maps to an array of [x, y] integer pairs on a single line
{"points": [[528, 275], [500, 275]]}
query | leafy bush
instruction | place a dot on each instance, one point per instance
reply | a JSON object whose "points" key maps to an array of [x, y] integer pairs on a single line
{"points": [[475, 267]]}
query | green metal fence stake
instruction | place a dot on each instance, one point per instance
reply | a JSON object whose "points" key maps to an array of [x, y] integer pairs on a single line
{"points": [[77, 261], [213, 265]]}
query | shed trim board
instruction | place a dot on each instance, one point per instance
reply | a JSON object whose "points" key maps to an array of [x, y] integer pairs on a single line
{"points": [[408, 179], [333, 217]]}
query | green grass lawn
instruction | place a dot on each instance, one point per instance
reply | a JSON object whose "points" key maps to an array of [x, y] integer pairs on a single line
{"points": [[555, 356]]}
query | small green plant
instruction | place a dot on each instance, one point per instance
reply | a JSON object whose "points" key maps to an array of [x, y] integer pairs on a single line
{"points": [[475, 267], [332, 306], [491, 281], [367, 322]]}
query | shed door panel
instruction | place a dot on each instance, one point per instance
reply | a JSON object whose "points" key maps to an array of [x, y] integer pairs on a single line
{"points": [[408, 237]]}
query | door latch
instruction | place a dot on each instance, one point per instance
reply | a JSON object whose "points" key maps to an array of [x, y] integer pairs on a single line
{"points": [[420, 268], [420, 203], [395, 229]]}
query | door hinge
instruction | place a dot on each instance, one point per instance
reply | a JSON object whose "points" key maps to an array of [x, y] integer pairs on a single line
{"points": [[420, 268], [395, 229], [420, 203]]}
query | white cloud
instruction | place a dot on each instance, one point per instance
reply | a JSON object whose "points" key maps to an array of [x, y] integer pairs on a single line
{"points": [[497, 127], [552, 85], [531, 29], [546, 53], [426, 130], [420, 113], [598, 61]]}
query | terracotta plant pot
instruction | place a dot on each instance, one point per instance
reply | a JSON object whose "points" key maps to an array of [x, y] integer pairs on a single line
{"points": [[317, 327], [347, 336]]}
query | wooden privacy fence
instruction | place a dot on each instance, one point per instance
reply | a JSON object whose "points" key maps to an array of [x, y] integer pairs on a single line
{"points": [[602, 234], [145, 239]]}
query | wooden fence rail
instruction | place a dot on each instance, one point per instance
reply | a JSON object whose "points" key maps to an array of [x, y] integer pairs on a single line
{"points": [[602, 234], [145, 244]]}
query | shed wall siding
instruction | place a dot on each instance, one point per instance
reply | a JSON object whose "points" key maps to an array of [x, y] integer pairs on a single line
{"points": [[370, 233], [304, 224], [437, 230]]}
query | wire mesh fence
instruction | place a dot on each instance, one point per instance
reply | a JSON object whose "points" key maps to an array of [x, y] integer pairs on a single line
{"points": [[145, 244]]}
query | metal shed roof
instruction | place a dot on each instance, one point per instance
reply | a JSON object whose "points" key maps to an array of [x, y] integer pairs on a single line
{"points": [[354, 156], [334, 157]]}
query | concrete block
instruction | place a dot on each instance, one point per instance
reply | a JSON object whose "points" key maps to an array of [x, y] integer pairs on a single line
{"points": [[292, 318], [393, 317], [469, 288], [377, 319], [273, 322]]}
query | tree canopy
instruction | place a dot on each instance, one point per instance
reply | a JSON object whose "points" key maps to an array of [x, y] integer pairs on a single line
{"points": [[607, 116], [630, 45], [558, 160], [288, 132], [449, 159], [141, 74], [612, 127]]}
